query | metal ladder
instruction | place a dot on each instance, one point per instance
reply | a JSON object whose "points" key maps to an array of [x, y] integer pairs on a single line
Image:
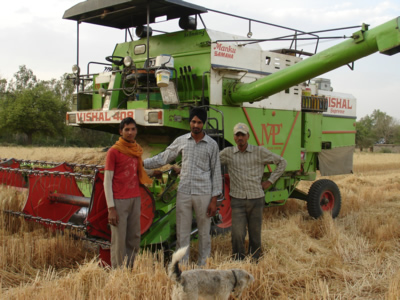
{"points": [[213, 128]]}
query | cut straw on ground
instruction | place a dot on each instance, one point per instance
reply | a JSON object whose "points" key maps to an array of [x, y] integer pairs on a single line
{"points": [[355, 256]]}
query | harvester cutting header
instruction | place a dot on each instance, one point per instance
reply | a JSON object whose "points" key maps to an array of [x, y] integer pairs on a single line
{"points": [[157, 77]]}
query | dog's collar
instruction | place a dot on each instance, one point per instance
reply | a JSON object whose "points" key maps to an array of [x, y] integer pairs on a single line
{"points": [[234, 286]]}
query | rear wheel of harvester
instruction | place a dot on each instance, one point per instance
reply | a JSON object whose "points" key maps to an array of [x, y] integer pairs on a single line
{"points": [[323, 196]]}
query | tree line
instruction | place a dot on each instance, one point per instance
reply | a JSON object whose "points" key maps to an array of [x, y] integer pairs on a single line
{"points": [[33, 111], [377, 128]]}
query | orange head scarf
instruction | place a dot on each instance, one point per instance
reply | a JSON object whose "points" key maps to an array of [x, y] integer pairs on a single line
{"points": [[133, 150]]}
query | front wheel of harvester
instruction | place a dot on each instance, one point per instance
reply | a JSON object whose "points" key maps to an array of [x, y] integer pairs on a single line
{"points": [[323, 196]]}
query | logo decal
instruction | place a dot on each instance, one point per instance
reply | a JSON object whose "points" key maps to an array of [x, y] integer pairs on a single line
{"points": [[224, 51], [270, 131]]}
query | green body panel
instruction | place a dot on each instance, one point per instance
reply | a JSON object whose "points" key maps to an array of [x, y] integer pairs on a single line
{"points": [[136, 104], [162, 229], [309, 165], [190, 52], [312, 137], [277, 130], [177, 118], [340, 132], [274, 196], [284, 187], [154, 98], [98, 101]]}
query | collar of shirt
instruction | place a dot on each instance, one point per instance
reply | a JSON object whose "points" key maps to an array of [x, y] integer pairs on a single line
{"points": [[204, 139], [249, 148]]}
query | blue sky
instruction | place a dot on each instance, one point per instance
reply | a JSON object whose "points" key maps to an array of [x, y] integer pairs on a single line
{"points": [[34, 34]]}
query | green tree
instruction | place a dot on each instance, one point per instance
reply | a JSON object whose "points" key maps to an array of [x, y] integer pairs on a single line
{"points": [[396, 138], [35, 110], [364, 135], [23, 79], [31, 107], [63, 88], [3, 86], [384, 126], [377, 127]]}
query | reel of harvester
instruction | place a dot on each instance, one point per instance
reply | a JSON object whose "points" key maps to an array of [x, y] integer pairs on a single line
{"points": [[71, 196], [59, 198]]}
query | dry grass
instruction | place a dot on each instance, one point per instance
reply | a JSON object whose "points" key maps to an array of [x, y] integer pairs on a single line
{"points": [[95, 156], [355, 256], [77, 155]]}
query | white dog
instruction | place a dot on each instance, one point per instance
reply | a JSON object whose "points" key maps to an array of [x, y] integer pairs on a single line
{"points": [[208, 284]]}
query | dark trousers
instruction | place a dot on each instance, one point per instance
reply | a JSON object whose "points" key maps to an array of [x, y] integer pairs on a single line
{"points": [[246, 213]]}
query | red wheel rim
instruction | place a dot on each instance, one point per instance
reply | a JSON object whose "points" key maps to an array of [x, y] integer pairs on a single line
{"points": [[225, 210], [327, 201], [147, 209], [97, 219]]}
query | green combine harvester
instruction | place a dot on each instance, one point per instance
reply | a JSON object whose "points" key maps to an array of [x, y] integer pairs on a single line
{"points": [[157, 77]]}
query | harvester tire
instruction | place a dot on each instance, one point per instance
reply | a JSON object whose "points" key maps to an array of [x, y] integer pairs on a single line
{"points": [[323, 196]]}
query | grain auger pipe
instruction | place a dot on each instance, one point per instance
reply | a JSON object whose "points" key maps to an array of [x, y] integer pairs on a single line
{"points": [[384, 38]]}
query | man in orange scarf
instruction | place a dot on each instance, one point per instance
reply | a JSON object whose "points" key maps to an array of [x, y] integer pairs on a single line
{"points": [[123, 173]]}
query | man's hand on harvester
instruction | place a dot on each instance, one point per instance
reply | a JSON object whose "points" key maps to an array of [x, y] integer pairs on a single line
{"points": [[113, 218], [176, 169], [212, 207], [157, 174], [266, 185]]}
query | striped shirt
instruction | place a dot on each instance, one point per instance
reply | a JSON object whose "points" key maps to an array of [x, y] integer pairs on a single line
{"points": [[201, 169], [246, 169]]}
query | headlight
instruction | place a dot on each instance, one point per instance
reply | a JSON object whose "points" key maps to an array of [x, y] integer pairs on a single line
{"points": [[102, 92], [153, 117], [75, 69], [128, 61]]}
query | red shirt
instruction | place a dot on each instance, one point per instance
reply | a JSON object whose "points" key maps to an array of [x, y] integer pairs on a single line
{"points": [[125, 183]]}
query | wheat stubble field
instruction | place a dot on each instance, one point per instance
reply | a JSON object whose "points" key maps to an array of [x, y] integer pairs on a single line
{"points": [[355, 256]]}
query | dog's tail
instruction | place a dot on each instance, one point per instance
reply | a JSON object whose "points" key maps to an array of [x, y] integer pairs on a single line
{"points": [[173, 269]]}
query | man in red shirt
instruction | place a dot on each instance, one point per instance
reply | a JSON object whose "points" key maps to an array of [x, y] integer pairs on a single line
{"points": [[123, 173]]}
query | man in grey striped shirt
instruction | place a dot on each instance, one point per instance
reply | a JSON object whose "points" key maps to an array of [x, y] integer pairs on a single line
{"points": [[200, 182], [246, 164]]}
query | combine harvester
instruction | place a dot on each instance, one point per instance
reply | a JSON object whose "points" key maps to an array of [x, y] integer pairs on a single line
{"points": [[157, 77]]}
